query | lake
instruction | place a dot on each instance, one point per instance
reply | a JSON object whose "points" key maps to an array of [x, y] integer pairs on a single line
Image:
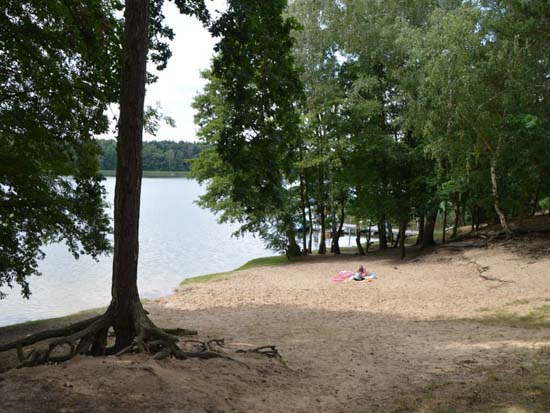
{"points": [[178, 240]]}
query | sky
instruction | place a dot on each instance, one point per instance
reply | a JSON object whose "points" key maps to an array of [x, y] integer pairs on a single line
{"points": [[192, 51]]}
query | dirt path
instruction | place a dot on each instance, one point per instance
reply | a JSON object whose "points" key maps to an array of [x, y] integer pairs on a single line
{"points": [[431, 333]]}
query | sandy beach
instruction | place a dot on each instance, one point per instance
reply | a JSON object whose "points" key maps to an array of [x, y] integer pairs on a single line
{"points": [[453, 328]]}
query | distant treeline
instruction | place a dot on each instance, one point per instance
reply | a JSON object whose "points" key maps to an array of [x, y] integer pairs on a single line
{"points": [[157, 155]]}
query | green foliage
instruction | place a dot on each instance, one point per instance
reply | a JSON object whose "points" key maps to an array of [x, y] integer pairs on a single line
{"points": [[407, 105], [248, 114], [58, 71], [264, 262]]}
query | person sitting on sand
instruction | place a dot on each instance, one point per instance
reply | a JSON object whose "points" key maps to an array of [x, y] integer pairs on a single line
{"points": [[360, 274]]}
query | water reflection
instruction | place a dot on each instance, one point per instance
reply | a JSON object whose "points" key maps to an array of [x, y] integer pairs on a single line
{"points": [[177, 240]]}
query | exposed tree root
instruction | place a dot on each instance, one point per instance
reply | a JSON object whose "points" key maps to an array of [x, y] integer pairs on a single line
{"points": [[91, 337], [481, 270], [268, 351], [45, 335]]}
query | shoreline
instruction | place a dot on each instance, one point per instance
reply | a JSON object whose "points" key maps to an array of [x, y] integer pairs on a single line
{"points": [[74, 317]]}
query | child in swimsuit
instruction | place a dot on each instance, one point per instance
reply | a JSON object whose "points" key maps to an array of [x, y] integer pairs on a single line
{"points": [[359, 274]]}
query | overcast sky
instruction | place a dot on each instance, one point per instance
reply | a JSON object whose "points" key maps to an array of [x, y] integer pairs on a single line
{"points": [[192, 51]]}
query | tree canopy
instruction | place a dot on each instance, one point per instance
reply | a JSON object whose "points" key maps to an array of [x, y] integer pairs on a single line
{"points": [[407, 110], [248, 115], [58, 72]]}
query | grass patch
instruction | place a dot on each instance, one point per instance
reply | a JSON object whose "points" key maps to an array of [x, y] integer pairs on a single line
{"points": [[518, 302], [515, 386], [265, 262], [536, 318], [203, 278], [153, 174], [257, 262]]}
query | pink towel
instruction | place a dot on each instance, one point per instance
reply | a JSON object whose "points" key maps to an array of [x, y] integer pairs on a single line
{"points": [[343, 276]]}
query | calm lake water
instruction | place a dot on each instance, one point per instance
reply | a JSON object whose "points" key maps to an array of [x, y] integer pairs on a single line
{"points": [[178, 240]]}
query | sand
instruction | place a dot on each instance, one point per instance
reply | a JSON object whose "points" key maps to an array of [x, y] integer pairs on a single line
{"points": [[386, 345]]}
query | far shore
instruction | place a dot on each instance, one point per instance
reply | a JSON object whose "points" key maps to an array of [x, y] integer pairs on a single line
{"points": [[152, 174]]}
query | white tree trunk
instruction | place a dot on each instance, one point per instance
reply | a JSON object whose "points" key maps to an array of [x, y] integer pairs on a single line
{"points": [[494, 182]]}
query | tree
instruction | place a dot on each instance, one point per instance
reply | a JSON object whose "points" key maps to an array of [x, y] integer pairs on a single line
{"points": [[322, 139], [248, 114], [125, 313], [481, 95]]}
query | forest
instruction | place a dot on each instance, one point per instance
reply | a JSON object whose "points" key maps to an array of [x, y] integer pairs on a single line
{"points": [[397, 112], [157, 155]]}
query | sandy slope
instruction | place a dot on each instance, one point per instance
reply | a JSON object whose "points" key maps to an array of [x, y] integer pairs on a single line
{"points": [[348, 347]]}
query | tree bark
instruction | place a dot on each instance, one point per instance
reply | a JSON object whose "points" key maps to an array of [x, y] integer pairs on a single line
{"points": [[322, 243], [494, 185], [310, 235], [125, 298], [382, 240], [303, 208], [292, 249], [336, 236], [420, 230], [428, 237], [480, 213], [396, 241], [310, 217]]}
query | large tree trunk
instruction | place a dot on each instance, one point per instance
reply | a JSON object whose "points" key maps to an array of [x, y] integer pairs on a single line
{"points": [[428, 237], [292, 249], [420, 230], [125, 298], [382, 240], [336, 234]]}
